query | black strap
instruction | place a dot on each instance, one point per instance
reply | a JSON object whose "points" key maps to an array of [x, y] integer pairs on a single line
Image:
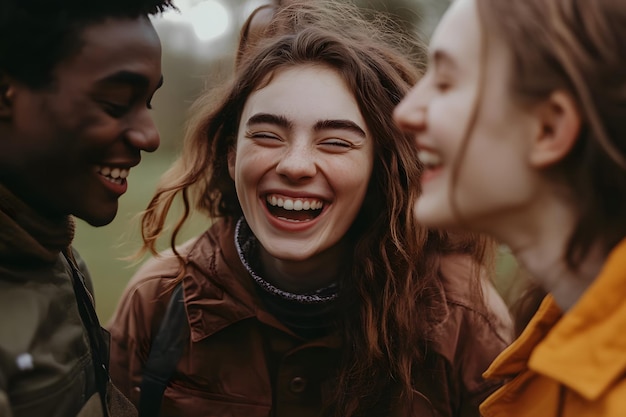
{"points": [[99, 347], [166, 350]]}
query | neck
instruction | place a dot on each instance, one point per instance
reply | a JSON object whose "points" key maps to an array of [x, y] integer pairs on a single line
{"points": [[314, 279], [305, 276], [539, 237]]}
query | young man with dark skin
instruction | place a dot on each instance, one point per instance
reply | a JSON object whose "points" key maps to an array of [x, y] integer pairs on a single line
{"points": [[76, 81]]}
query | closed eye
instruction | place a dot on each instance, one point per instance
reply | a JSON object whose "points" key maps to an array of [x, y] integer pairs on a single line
{"points": [[442, 86], [336, 145], [114, 110], [262, 136], [337, 142]]}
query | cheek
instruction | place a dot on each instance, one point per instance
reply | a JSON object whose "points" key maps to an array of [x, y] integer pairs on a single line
{"points": [[494, 171], [247, 168], [448, 120], [353, 179]]}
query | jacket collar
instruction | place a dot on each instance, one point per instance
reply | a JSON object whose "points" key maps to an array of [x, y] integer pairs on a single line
{"points": [[218, 282], [583, 349], [28, 238]]}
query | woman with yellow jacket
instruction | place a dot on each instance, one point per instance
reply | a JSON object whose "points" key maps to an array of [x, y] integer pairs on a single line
{"points": [[536, 156]]}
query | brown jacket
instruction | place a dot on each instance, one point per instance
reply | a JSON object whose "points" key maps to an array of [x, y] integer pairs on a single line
{"points": [[241, 361]]}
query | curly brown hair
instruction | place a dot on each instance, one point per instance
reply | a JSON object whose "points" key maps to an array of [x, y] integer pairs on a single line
{"points": [[392, 292]]}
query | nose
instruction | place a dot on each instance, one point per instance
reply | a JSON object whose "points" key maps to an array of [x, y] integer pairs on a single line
{"points": [[297, 163], [410, 113], [143, 133]]}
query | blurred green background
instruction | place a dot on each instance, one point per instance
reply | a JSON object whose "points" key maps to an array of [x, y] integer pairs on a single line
{"points": [[198, 53], [104, 249]]}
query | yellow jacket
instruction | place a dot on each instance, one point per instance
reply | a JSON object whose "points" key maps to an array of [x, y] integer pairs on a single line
{"points": [[573, 364]]}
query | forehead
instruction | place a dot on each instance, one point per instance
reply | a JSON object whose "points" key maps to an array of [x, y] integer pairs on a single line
{"points": [[458, 33], [316, 91], [116, 45]]}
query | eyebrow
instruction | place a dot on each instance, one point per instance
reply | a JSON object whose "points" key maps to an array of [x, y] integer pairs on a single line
{"points": [[130, 78], [283, 122], [268, 118], [339, 125]]}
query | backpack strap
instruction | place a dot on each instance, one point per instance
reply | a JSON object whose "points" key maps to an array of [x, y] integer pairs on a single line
{"points": [[99, 346], [166, 350]]}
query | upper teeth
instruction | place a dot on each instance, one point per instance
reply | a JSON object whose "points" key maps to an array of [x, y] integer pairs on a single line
{"points": [[297, 204], [429, 158], [113, 172]]}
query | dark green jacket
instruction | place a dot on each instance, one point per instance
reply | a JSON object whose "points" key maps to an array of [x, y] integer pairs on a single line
{"points": [[45, 358]]}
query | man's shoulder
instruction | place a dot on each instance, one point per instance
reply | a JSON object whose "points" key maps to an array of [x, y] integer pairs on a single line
{"points": [[34, 273], [35, 303]]}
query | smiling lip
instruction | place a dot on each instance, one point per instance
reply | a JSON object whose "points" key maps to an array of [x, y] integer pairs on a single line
{"points": [[293, 214], [294, 203], [113, 177], [429, 174], [431, 161]]}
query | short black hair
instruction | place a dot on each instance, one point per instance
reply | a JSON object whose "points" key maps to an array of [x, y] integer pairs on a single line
{"points": [[36, 35]]}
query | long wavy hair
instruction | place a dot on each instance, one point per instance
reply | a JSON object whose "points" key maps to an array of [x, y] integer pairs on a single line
{"points": [[392, 293], [577, 47]]}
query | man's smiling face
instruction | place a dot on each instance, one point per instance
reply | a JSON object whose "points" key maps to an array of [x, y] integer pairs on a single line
{"points": [[67, 148]]}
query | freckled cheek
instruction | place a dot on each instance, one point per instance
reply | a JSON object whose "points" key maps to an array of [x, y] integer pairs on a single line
{"points": [[352, 177], [250, 167]]}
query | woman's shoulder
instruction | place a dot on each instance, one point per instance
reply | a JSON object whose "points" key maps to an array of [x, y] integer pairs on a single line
{"points": [[469, 286], [477, 325], [478, 318], [166, 264], [155, 275]]}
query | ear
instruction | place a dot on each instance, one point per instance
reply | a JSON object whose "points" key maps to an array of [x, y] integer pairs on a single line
{"points": [[232, 156], [7, 94], [559, 130]]}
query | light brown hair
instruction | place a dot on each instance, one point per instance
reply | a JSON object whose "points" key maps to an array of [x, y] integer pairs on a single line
{"points": [[577, 47]]}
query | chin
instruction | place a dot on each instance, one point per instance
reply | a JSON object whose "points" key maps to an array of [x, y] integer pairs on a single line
{"points": [[431, 216], [289, 254], [98, 219], [291, 257]]}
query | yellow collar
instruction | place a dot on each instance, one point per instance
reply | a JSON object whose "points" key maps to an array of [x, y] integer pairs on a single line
{"points": [[585, 349]]}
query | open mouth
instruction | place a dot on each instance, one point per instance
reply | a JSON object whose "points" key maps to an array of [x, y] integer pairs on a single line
{"points": [[114, 175], [430, 159], [294, 209]]}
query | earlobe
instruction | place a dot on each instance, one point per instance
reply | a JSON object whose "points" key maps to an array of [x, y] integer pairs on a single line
{"points": [[560, 129], [7, 93], [231, 162]]}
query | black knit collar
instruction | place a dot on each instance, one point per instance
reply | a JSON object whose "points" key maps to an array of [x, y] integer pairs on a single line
{"points": [[246, 244]]}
